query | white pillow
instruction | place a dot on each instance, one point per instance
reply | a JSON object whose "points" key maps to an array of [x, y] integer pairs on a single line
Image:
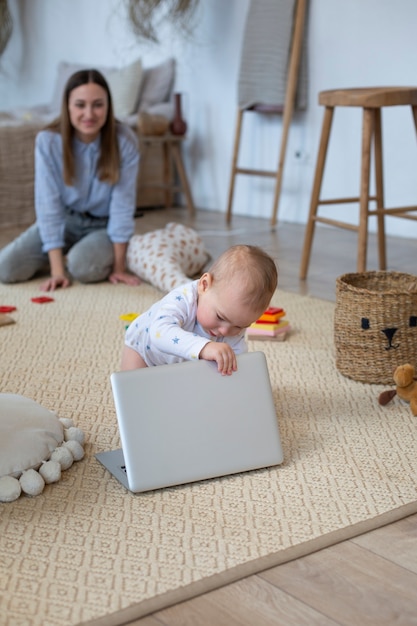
{"points": [[63, 72], [124, 87], [157, 84], [29, 433], [124, 84], [167, 257], [33, 438]]}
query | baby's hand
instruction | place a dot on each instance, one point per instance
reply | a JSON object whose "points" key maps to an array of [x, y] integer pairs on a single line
{"points": [[223, 354]]}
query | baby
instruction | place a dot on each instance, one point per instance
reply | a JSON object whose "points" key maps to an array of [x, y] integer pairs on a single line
{"points": [[205, 318]]}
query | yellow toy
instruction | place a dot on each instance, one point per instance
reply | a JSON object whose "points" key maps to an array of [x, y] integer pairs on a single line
{"points": [[406, 387], [128, 317]]}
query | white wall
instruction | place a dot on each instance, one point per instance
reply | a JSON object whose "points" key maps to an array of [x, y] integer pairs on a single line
{"points": [[351, 43]]}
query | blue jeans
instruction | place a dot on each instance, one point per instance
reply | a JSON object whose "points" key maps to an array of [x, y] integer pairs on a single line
{"points": [[88, 249]]}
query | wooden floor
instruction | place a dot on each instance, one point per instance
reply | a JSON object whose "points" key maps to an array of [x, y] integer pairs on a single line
{"points": [[370, 580]]}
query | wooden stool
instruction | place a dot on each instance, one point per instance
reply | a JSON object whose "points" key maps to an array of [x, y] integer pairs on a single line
{"points": [[371, 100], [287, 110], [173, 165]]}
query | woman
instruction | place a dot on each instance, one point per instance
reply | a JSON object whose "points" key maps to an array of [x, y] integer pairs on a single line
{"points": [[86, 165]]}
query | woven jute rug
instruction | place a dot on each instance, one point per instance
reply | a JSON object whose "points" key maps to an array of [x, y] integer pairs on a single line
{"points": [[87, 550]]}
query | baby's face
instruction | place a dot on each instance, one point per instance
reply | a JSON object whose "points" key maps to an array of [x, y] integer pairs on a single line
{"points": [[221, 312]]}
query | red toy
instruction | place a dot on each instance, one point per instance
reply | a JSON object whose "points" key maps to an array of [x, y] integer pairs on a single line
{"points": [[42, 299]]}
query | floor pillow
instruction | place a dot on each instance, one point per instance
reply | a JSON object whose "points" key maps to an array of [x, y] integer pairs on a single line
{"points": [[35, 446], [167, 257]]}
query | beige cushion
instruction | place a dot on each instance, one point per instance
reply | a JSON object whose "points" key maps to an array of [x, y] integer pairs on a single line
{"points": [[124, 87], [157, 85], [29, 433], [124, 84], [167, 257], [146, 88]]}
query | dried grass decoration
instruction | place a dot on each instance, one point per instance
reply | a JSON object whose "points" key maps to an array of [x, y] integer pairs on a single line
{"points": [[6, 25], [146, 17], [375, 324]]}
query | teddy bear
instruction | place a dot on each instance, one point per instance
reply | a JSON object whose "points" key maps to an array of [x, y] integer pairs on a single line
{"points": [[406, 387]]}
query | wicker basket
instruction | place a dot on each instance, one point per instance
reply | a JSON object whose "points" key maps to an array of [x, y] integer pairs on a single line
{"points": [[375, 324]]}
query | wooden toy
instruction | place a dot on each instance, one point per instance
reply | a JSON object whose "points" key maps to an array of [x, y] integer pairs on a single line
{"points": [[42, 299], [128, 317], [273, 314], [269, 326]]}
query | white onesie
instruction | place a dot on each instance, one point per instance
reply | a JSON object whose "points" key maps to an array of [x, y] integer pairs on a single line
{"points": [[169, 332]]}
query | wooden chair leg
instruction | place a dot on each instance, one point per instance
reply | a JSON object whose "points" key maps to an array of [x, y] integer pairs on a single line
{"points": [[144, 149], [414, 113], [315, 194], [288, 111], [290, 93], [379, 183], [236, 146], [367, 134], [179, 164], [168, 177]]}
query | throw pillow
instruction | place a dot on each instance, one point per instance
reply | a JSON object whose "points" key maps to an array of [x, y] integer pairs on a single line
{"points": [[124, 87], [157, 84], [124, 84], [35, 445], [167, 257]]}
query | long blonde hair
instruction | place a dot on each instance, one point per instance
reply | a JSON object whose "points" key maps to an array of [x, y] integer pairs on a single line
{"points": [[109, 159]]}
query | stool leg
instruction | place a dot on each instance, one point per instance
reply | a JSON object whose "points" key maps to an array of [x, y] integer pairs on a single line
{"points": [[414, 112], [144, 149], [234, 164], [168, 176], [367, 133], [315, 194], [176, 155], [288, 110], [291, 89], [379, 182]]}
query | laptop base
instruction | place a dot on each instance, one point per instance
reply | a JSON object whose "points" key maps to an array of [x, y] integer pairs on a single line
{"points": [[114, 462]]}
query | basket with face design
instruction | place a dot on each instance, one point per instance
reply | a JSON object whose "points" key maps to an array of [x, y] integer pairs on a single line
{"points": [[375, 324]]}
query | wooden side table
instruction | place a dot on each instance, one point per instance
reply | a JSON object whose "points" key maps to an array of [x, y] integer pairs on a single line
{"points": [[174, 174]]}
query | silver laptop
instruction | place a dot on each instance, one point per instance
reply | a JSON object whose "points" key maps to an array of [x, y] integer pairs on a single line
{"points": [[186, 422]]}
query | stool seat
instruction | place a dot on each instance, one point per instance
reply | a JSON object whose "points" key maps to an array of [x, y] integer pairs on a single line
{"points": [[371, 100], [369, 97]]}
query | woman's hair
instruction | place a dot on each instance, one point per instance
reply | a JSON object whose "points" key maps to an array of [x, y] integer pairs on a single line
{"points": [[253, 268], [109, 159]]}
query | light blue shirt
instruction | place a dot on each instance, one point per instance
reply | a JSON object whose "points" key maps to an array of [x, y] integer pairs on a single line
{"points": [[53, 198]]}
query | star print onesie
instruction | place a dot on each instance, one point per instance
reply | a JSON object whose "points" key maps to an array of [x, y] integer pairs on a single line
{"points": [[169, 332]]}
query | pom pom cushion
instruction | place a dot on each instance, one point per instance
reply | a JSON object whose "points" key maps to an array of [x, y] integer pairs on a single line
{"points": [[28, 434], [167, 257], [35, 446]]}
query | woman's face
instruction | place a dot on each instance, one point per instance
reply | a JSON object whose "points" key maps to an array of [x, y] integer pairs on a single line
{"points": [[88, 107]]}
